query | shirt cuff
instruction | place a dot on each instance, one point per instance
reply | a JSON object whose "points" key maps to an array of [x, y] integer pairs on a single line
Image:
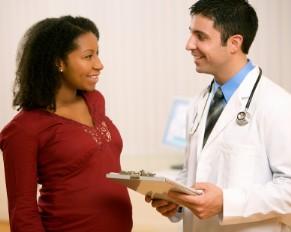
{"points": [[178, 216]]}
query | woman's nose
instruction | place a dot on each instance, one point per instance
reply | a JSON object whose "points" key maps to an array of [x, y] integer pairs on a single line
{"points": [[98, 64]]}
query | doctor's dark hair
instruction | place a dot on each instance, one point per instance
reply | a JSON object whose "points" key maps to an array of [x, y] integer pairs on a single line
{"points": [[46, 42], [230, 17]]}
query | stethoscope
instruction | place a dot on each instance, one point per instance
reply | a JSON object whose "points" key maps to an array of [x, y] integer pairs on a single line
{"points": [[242, 118]]}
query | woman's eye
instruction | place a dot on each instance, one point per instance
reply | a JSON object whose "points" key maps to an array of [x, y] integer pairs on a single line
{"points": [[88, 56]]}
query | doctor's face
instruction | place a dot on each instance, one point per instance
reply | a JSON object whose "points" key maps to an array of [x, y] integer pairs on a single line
{"points": [[205, 45]]}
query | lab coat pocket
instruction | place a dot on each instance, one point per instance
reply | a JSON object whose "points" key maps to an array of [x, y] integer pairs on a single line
{"points": [[237, 165]]}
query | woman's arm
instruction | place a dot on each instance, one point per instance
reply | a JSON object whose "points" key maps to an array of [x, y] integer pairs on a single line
{"points": [[20, 163]]}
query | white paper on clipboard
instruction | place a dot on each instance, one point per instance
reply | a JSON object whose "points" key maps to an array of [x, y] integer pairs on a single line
{"points": [[155, 186]]}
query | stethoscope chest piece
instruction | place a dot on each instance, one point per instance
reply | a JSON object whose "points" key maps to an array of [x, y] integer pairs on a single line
{"points": [[242, 118]]}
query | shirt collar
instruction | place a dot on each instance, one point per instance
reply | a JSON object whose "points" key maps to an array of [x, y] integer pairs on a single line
{"points": [[233, 83]]}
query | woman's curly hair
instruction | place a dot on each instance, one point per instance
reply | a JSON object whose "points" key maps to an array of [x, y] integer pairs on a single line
{"points": [[37, 75]]}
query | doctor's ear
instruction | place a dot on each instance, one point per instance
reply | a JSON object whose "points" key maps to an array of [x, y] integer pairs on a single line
{"points": [[235, 43]]}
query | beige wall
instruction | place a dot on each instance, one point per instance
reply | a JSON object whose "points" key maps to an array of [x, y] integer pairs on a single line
{"points": [[142, 47]]}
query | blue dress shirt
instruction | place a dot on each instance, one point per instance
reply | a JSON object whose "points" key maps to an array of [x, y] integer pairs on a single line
{"points": [[233, 83]]}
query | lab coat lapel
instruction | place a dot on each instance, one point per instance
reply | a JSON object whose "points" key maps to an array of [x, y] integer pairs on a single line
{"points": [[201, 109], [198, 118], [236, 104], [203, 103]]}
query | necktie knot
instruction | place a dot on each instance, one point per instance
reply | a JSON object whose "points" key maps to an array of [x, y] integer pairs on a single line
{"points": [[218, 95]]}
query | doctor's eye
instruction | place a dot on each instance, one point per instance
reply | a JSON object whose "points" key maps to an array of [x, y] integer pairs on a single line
{"points": [[201, 37]]}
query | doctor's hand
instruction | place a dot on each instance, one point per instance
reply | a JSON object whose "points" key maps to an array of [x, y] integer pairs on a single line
{"points": [[166, 208], [203, 206]]}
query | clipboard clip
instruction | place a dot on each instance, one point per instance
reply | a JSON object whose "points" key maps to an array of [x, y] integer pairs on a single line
{"points": [[137, 174]]}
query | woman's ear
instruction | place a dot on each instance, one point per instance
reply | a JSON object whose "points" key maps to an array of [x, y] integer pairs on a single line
{"points": [[60, 65], [235, 43]]}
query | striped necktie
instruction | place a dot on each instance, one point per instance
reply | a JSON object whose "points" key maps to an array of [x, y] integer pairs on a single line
{"points": [[215, 109]]}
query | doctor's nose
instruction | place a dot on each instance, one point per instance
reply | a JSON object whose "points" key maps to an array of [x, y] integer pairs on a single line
{"points": [[191, 43]]}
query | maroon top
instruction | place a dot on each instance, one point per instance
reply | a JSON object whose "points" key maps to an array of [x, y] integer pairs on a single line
{"points": [[70, 161]]}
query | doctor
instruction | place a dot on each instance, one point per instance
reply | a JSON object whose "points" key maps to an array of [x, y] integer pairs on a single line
{"points": [[242, 160]]}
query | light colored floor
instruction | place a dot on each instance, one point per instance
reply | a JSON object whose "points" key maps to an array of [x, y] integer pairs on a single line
{"points": [[4, 227]]}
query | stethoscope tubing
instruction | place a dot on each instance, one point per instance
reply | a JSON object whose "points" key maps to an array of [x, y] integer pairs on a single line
{"points": [[242, 116]]}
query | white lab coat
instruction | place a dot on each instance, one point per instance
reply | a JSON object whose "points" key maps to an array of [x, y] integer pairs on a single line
{"points": [[251, 163]]}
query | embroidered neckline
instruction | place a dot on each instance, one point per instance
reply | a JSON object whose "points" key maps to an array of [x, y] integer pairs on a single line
{"points": [[100, 133]]}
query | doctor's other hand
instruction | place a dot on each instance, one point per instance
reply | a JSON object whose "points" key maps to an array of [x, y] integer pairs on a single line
{"points": [[204, 206], [166, 208]]}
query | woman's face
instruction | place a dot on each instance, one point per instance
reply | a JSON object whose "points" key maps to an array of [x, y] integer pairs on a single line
{"points": [[81, 69]]}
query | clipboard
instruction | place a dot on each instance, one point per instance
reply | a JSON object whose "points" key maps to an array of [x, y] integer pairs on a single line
{"points": [[157, 187]]}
